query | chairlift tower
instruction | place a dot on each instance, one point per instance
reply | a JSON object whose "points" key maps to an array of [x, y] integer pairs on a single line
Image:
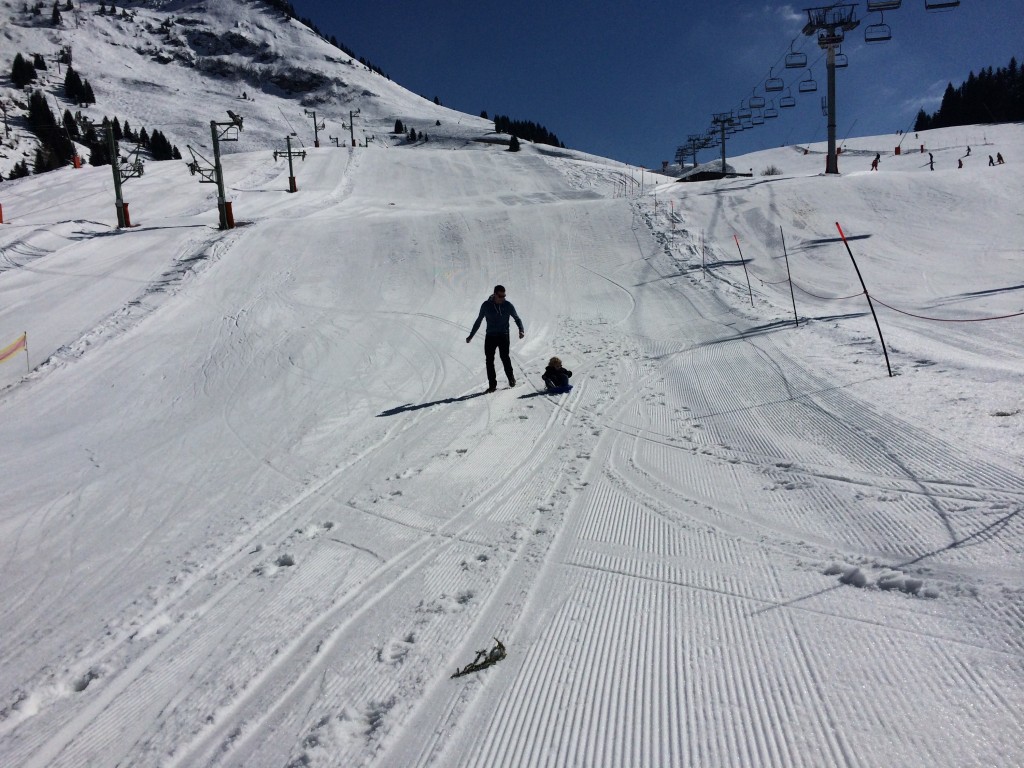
{"points": [[831, 23], [723, 120], [317, 127]]}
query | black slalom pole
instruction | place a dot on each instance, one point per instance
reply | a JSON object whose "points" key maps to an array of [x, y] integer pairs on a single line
{"points": [[868, 295], [744, 263], [796, 320]]}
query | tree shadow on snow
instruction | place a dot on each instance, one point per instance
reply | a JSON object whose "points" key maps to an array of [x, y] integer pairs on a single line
{"points": [[446, 401]]}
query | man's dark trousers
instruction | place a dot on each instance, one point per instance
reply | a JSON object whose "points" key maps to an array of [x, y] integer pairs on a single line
{"points": [[500, 342]]}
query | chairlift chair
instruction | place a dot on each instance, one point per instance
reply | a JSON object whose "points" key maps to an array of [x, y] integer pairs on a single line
{"points": [[758, 118], [795, 59], [756, 102], [773, 84], [810, 85], [883, 5], [743, 113], [770, 112], [842, 61], [940, 5], [878, 33], [788, 101]]}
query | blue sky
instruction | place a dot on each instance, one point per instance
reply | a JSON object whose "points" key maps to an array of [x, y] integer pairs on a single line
{"points": [[632, 84]]}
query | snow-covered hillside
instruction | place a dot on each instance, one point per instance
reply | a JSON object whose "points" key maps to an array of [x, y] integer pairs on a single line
{"points": [[175, 65], [258, 509]]}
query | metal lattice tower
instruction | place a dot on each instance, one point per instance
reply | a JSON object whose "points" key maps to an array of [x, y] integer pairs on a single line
{"points": [[831, 23], [723, 121]]}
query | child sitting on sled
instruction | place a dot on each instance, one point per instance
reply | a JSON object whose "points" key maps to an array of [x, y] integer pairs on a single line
{"points": [[556, 377]]}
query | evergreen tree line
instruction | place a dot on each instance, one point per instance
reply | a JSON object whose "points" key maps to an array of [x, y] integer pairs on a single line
{"points": [[528, 130], [23, 73], [991, 96], [55, 17], [57, 139], [157, 144], [55, 145]]}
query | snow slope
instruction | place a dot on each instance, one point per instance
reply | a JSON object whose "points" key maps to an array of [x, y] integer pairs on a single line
{"points": [[257, 510]]}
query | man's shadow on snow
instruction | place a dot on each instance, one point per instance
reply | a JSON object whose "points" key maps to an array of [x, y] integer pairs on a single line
{"points": [[446, 401]]}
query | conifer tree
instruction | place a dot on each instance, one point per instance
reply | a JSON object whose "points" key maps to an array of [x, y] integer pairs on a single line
{"points": [[42, 161], [19, 171], [70, 125], [73, 86], [53, 140], [22, 72]]}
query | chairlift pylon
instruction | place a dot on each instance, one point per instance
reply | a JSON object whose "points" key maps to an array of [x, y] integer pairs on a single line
{"points": [[878, 33], [810, 85], [883, 5], [795, 59], [940, 5], [773, 84]]}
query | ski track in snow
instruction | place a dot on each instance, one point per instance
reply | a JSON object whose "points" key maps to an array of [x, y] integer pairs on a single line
{"points": [[709, 553]]}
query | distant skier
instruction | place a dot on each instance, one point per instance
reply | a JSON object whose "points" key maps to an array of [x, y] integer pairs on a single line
{"points": [[991, 161], [999, 158], [931, 162], [556, 377], [968, 152], [874, 163], [497, 311]]}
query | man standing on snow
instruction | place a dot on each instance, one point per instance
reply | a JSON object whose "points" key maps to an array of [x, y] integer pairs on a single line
{"points": [[497, 311]]}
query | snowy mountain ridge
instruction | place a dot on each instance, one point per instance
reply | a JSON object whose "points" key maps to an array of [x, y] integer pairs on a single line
{"points": [[151, 58]]}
